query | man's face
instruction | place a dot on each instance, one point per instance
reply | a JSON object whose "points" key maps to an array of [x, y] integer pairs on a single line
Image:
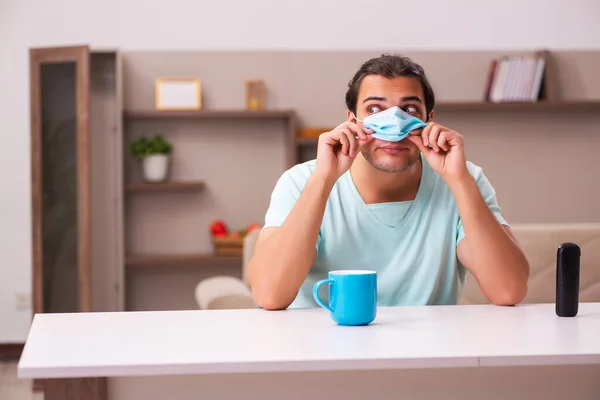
{"points": [[378, 93]]}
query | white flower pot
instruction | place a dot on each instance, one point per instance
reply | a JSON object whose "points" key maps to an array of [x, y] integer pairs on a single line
{"points": [[156, 167]]}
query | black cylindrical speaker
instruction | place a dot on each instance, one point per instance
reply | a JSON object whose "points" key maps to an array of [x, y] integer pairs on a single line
{"points": [[567, 280]]}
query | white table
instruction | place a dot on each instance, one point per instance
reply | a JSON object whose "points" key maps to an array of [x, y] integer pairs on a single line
{"points": [[422, 352]]}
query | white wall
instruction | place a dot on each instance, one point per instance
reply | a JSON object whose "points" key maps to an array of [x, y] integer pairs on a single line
{"points": [[238, 25]]}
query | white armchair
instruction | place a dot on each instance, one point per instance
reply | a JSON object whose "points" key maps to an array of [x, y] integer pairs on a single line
{"points": [[540, 243], [226, 292]]}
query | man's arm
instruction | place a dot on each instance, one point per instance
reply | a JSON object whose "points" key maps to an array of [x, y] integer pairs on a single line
{"points": [[284, 255], [489, 250], [286, 250]]}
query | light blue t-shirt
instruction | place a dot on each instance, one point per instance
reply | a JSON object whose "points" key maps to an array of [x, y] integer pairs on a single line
{"points": [[411, 245]]}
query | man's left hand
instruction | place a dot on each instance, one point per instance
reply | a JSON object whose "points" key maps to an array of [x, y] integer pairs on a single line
{"points": [[443, 148]]}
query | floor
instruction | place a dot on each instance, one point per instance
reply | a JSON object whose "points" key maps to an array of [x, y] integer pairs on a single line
{"points": [[13, 388]]}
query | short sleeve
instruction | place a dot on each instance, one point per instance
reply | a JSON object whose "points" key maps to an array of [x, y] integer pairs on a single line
{"points": [[285, 195], [489, 195]]}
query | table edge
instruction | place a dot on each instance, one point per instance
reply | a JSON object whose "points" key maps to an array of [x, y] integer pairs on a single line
{"points": [[304, 366], [242, 367]]}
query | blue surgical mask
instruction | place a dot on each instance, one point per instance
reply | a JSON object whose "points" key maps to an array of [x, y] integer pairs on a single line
{"points": [[392, 125]]}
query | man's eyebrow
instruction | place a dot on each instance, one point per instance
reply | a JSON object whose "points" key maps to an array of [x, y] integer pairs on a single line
{"points": [[412, 98], [404, 99], [376, 98]]}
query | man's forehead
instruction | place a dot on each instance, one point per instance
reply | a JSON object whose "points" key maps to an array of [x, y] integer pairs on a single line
{"points": [[381, 85]]}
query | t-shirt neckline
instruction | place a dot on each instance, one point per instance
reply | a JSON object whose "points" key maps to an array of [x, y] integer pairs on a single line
{"points": [[422, 193]]}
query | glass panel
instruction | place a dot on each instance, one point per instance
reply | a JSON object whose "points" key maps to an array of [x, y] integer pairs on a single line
{"points": [[59, 186]]}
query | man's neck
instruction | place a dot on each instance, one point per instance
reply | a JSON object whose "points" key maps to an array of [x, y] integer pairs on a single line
{"points": [[376, 186]]}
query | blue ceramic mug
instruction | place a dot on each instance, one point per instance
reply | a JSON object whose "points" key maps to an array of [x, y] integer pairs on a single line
{"points": [[352, 296]]}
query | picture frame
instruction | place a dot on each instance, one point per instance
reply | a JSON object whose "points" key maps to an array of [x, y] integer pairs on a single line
{"points": [[255, 95], [178, 94]]}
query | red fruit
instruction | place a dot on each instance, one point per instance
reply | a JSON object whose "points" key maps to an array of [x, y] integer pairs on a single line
{"points": [[253, 227], [218, 228]]}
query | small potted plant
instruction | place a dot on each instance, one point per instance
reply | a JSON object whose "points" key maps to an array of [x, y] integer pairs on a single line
{"points": [[154, 153]]}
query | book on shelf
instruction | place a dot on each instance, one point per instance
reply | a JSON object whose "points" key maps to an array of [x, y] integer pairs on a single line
{"points": [[515, 78]]}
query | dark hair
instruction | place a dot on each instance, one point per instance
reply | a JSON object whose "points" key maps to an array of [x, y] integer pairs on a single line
{"points": [[389, 66]]}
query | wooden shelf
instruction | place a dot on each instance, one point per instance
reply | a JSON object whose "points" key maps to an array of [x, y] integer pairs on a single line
{"points": [[208, 114], [177, 259], [566, 105], [480, 106], [557, 106], [163, 186]]}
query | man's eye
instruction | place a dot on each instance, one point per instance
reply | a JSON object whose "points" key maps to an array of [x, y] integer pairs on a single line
{"points": [[373, 109], [413, 110]]}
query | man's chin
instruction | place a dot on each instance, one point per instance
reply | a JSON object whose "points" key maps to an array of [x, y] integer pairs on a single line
{"points": [[397, 162]]}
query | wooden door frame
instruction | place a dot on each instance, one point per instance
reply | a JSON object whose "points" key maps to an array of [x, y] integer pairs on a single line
{"points": [[80, 55]]}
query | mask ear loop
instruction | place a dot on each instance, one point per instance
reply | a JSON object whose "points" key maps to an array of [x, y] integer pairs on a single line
{"points": [[355, 118]]}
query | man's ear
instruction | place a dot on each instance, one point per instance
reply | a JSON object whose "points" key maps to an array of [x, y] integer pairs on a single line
{"points": [[430, 116], [351, 117]]}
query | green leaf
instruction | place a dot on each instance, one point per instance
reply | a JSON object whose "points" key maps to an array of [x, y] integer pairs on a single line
{"points": [[143, 146]]}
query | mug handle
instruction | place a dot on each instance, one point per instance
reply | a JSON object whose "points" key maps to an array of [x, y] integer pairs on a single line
{"points": [[316, 293]]}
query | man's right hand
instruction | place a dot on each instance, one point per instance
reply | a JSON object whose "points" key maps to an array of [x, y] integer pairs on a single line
{"points": [[337, 149], [283, 256]]}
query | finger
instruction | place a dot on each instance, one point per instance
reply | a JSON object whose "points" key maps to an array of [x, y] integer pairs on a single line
{"points": [[333, 138], [433, 137], [367, 140], [442, 141], [351, 141], [418, 140], [343, 139], [360, 143], [360, 132], [326, 139], [425, 134], [416, 132]]}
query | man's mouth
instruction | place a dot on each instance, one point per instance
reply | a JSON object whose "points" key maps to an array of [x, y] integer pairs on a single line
{"points": [[394, 149]]}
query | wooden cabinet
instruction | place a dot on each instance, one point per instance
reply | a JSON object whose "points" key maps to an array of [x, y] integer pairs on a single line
{"points": [[76, 179]]}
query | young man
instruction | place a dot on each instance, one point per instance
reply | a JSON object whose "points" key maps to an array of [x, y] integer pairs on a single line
{"points": [[414, 210]]}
